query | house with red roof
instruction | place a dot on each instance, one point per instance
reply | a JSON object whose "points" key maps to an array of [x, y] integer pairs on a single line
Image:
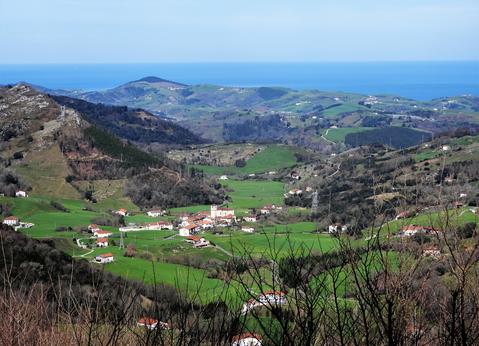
{"points": [[102, 242], [218, 212], [94, 228], [411, 230], [247, 339], [102, 234], [121, 211], [188, 230], [197, 241], [11, 221], [104, 258]]}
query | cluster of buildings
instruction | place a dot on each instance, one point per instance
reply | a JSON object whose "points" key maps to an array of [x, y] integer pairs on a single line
{"points": [[217, 217], [150, 226]]}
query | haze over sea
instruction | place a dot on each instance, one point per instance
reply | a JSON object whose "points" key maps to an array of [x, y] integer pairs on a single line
{"points": [[417, 80]]}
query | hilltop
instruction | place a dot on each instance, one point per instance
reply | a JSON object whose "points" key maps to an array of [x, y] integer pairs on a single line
{"points": [[64, 147]]}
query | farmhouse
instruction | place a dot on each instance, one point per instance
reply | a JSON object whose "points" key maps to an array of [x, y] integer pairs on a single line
{"points": [[404, 215], [94, 228], [205, 224], [159, 225], [188, 230], [156, 212], [431, 251], [268, 209], [295, 192], [197, 241], [102, 234], [225, 221], [246, 339], [11, 221], [337, 228], [21, 193], [151, 323], [250, 218], [411, 230], [295, 176], [216, 212], [104, 258], [247, 229], [148, 323], [121, 211], [267, 298], [223, 177], [273, 297], [102, 242]]}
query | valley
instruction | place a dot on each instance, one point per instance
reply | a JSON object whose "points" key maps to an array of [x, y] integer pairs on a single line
{"points": [[281, 205]]}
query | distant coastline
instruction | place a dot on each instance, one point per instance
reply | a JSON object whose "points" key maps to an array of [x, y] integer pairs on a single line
{"points": [[416, 80]]}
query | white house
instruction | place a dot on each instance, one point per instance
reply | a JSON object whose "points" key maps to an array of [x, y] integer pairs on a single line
{"points": [[156, 212], [216, 212], [121, 211], [247, 339], [267, 298], [250, 218], [104, 258], [102, 242], [159, 225], [295, 192], [188, 230], [295, 176], [225, 221], [102, 234], [337, 228], [431, 251], [205, 224], [21, 193], [197, 241], [11, 221], [94, 228], [446, 148], [247, 229], [223, 177], [411, 230]]}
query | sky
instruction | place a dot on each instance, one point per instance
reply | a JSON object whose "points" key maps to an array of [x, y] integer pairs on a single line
{"points": [[149, 31]]}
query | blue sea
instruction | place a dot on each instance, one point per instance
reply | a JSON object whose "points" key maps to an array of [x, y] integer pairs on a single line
{"points": [[417, 80]]}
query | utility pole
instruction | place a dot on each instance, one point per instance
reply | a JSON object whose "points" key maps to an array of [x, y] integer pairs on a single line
{"points": [[122, 244], [314, 203]]}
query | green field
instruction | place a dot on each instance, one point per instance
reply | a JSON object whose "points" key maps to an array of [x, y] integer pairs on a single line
{"points": [[248, 194], [272, 158], [338, 135], [344, 108]]}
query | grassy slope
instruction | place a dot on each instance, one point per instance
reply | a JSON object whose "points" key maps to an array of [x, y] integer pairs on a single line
{"points": [[248, 194], [338, 135], [274, 157], [45, 172], [344, 108]]}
